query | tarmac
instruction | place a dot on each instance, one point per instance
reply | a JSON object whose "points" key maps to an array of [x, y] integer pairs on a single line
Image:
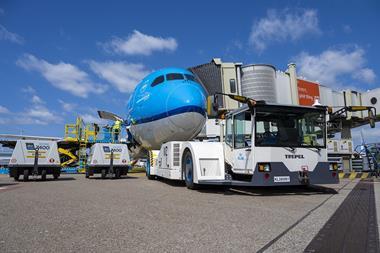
{"points": [[134, 214]]}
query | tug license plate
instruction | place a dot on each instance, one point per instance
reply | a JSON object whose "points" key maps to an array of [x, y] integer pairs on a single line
{"points": [[281, 179]]}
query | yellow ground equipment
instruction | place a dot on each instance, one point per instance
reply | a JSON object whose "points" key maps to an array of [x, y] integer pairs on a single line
{"points": [[70, 157], [78, 138]]}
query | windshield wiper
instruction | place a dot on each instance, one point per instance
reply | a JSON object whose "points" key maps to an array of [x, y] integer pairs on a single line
{"points": [[290, 147]]}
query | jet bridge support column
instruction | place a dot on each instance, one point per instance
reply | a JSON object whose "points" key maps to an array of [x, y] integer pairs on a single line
{"points": [[346, 129], [346, 135]]}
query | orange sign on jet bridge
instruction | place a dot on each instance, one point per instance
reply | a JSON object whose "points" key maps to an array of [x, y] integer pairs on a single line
{"points": [[308, 92]]}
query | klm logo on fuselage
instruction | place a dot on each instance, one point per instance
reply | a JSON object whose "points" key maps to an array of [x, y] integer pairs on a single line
{"points": [[294, 157]]}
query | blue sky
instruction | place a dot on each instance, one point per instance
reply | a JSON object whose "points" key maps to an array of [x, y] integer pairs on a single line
{"points": [[60, 59]]}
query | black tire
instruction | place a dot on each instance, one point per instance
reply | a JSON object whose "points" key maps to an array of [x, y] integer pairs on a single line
{"points": [[16, 176], [188, 169], [148, 175], [43, 175], [87, 173], [26, 175], [56, 175], [117, 173], [103, 173]]}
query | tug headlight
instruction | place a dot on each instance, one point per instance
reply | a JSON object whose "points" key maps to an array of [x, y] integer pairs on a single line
{"points": [[333, 166], [264, 167]]}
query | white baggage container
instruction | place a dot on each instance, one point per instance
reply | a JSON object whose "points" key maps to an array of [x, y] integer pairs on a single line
{"points": [[108, 159], [26, 162]]}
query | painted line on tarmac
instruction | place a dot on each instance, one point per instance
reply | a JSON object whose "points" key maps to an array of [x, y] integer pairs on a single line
{"points": [[280, 244], [9, 187], [353, 227]]}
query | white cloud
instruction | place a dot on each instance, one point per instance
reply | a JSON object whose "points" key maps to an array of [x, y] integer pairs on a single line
{"points": [[366, 75], [283, 26], [62, 75], [332, 64], [39, 112], [37, 100], [9, 36], [122, 75], [347, 29], [36, 114], [68, 107], [3, 110], [138, 43], [29, 89], [90, 118]]}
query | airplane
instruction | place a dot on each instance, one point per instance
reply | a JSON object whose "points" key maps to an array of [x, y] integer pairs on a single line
{"points": [[167, 105]]}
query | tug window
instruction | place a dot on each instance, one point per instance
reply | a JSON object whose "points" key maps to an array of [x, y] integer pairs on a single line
{"points": [[174, 76], [242, 130], [158, 80]]}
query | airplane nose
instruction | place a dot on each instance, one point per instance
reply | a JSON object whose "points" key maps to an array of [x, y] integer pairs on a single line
{"points": [[189, 102], [188, 97]]}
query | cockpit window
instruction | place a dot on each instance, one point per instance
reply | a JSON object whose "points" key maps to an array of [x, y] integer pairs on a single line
{"points": [[190, 77], [158, 80], [174, 76]]}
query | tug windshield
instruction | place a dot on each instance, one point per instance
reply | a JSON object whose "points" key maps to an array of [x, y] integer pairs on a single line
{"points": [[290, 127]]}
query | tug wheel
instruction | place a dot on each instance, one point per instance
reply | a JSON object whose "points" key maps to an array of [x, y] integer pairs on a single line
{"points": [[188, 170]]}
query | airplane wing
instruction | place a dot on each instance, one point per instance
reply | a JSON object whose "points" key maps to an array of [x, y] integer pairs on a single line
{"points": [[109, 116]]}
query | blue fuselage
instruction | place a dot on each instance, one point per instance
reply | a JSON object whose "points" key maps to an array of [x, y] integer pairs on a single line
{"points": [[167, 105]]}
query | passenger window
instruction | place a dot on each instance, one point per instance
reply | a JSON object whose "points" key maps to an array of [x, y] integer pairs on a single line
{"points": [[228, 138], [174, 76], [190, 77], [242, 130], [232, 86], [158, 80]]}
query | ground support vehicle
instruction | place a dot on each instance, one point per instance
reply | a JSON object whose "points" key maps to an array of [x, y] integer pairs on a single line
{"points": [[108, 159], [35, 158], [263, 145]]}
